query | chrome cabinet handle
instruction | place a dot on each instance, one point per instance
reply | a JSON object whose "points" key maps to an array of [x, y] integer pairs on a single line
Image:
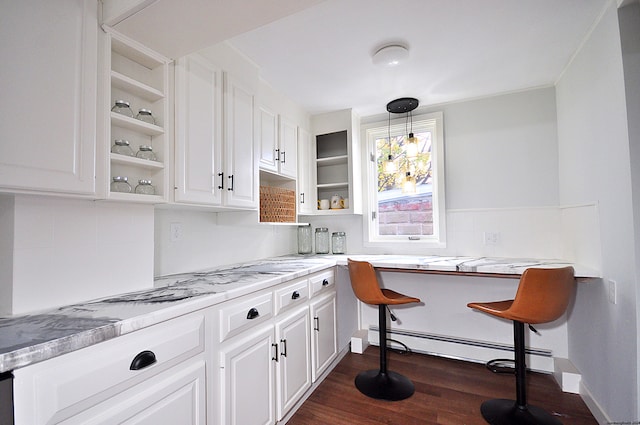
{"points": [[316, 324], [275, 346], [283, 352]]}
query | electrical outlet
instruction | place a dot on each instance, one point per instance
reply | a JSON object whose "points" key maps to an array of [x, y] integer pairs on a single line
{"points": [[491, 238], [175, 230], [613, 292]]}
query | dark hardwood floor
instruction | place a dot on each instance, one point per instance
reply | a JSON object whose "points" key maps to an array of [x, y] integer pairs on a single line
{"points": [[447, 392]]}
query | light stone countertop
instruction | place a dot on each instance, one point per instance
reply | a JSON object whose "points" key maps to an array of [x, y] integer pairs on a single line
{"points": [[31, 338]]}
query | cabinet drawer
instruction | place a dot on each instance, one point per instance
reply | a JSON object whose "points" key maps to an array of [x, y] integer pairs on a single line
{"points": [[244, 313], [291, 295], [321, 282], [55, 389]]}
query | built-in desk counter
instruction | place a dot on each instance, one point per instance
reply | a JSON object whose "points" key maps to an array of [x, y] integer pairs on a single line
{"points": [[493, 267]]}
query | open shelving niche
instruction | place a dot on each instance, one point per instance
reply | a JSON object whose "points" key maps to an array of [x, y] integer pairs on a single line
{"points": [[271, 179], [332, 169], [141, 77]]}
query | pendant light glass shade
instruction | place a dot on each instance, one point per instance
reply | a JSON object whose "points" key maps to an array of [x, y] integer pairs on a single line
{"points": [[390, 165], [412, 146], [409, 184]]}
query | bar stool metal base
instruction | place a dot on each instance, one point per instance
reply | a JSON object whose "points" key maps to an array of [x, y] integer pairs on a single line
{"points": [[384, 386], [507, 412]]}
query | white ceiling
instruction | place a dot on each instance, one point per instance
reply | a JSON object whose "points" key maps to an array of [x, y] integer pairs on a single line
{"points": [[320, 57]]}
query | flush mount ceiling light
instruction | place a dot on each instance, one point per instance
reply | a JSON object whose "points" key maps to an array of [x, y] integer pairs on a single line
{"points": [[390, 55]]}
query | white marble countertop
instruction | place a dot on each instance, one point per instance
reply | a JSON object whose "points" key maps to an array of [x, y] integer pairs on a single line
{"points": [[30, 338]]}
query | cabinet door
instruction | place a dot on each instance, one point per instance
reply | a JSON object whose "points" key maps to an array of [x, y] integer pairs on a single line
{"points": [[48, 108], [199, 176], [268, 139], [288, 148], [247, 379], [177, 396], [294, 363], [306, 199], [324, 346], [240, 162]]}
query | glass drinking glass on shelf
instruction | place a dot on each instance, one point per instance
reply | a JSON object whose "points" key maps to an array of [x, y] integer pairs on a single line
{"points": [[122, 107], [146, 116], [146, 152], [122, 147], [144, 187], [120, 184]]}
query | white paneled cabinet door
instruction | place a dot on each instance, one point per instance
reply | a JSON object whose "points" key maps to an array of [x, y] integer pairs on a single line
{"points": [[294, 363], [268, 139], [175, 397], [48, 83], [199, 176], [288, 154], [240, 159], [306, 198], [247, 379], [324, 346]]}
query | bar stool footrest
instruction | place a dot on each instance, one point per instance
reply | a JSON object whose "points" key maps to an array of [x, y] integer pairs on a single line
{"points": [[384, 386], [507, 412]]}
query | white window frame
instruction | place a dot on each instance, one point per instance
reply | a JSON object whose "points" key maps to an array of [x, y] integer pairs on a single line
{"points": [[371, 132]]}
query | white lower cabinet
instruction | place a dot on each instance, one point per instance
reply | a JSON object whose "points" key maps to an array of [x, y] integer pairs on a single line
{"points": [[294, 361], [324, 343], [247, 378], [266, 369], [148, 376], [174, 397]]}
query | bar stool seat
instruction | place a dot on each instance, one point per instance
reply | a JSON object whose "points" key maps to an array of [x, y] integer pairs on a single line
{"points": [[379, 383], [542, 296]]}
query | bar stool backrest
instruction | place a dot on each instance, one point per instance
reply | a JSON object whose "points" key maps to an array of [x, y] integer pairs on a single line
{"points": [[543, 295], [365, 282]]}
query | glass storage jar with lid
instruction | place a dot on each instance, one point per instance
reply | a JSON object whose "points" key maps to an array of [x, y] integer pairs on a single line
{"points": [[304, 239], [122, 107], [338, 242], [120, 184], [122, 147], [146, 116], [146, 152], [322, 240], [144, 187]]}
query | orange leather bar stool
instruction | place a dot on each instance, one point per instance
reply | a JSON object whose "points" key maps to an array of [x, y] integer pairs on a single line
{"points": [[542, 296], [379, 383]]}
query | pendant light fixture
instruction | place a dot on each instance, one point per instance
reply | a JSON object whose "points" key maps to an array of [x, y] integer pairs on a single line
{"points": [[405, 105], [389, 164]]}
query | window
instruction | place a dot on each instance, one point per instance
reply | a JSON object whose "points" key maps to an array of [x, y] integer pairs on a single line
{"points": [[406, 205]]}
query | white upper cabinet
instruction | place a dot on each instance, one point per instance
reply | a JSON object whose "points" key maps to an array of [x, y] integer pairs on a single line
{"points": [[48, 83], [306, 197], [277, 141], [215, 150], [288, 154], [268, 139], [240, 163], [199, 175]]}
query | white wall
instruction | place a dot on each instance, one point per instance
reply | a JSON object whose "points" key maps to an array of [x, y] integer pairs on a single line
{"points": [[501, 162], [595, 167], [67, 251], [215, 239]]}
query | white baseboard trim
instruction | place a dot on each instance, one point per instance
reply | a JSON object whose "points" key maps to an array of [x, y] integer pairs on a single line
{"points": [[597, 411]]}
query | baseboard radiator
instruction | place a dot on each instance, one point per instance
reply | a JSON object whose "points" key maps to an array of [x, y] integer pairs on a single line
{"points": [[462, 348]]}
